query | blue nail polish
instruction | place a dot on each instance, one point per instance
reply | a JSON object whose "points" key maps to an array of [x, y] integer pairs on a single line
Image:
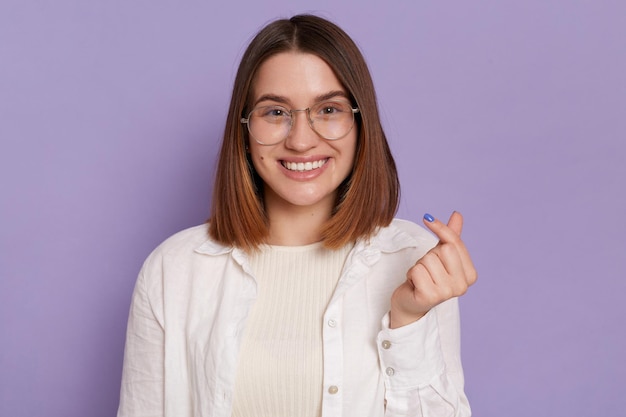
{"points": [[429, 218]]}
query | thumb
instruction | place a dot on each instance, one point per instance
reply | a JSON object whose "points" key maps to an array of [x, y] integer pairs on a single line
{"points": [[446, 233]]}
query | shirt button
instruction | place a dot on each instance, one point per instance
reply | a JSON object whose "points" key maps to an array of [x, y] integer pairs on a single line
{"points": [[386, 344], [332, 322], [390, 371], [333, 389]]}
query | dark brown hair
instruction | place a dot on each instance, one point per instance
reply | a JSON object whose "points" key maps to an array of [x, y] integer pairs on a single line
{"points": [[366, 200]]}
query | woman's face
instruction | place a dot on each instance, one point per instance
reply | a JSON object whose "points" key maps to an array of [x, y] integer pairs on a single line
{"points": [[304, 170]]}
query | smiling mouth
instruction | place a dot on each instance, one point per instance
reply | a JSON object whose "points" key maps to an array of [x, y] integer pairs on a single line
{"points": [[304, 166]]}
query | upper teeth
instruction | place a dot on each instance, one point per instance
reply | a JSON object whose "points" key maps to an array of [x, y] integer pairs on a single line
{"points": [[304, 166]]}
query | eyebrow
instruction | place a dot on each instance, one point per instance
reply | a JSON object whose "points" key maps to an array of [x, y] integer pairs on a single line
{"points": [[284, 100]]}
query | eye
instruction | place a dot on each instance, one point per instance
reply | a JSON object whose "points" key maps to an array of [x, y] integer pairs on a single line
{"points": [[273, 114], [331, 109]]}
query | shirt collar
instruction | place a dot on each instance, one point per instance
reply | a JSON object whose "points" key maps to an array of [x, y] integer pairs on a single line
{"points": [[393, 239], [211, 247], [388, 240]]}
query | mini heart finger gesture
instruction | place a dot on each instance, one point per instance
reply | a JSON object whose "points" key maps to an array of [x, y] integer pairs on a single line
{"points": [[444, 272]]}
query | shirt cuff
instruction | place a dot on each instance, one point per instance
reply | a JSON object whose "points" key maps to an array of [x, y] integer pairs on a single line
{"points": [[410, 355]]}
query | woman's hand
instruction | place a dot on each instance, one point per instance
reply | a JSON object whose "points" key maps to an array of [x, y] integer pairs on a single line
{"points": [[446, 271]]}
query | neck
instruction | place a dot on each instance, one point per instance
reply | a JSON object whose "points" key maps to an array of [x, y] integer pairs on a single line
{"points": [[292, 225]]}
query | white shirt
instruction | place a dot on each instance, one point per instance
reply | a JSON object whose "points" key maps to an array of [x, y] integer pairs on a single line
{"points": [[189, 312]]}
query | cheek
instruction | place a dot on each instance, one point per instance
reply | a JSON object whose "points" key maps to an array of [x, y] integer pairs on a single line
{"points": [[258, 160]]}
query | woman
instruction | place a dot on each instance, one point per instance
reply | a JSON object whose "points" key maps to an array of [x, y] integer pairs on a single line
{"points": [[303, 296]]}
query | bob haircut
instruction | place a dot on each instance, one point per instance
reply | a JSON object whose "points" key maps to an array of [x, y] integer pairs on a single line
{"points": [[366, 200]]}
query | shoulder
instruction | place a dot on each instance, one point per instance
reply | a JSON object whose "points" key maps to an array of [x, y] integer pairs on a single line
{"points": [[180, 248], [182, 255], [184, 241]]}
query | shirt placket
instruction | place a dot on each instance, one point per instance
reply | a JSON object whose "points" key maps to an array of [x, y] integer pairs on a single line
{"points": [[332, 394]]}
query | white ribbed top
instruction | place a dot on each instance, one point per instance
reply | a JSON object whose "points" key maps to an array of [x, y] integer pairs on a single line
{"points": [[280, 367]]}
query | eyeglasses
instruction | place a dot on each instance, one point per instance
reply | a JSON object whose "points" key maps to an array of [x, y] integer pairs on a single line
{"points": [[331, 120]]}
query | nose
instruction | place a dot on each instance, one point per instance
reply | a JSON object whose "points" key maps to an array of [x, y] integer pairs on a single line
{"points": [[301, 137]]}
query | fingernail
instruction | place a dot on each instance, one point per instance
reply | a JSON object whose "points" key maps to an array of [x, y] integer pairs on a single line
{"points": [[429, 218]]}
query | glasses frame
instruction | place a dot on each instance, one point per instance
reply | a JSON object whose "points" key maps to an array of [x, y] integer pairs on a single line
{"points": [[246, 120]]}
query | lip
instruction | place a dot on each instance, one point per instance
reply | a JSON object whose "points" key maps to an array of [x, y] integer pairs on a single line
{"points": [[304, 175]]}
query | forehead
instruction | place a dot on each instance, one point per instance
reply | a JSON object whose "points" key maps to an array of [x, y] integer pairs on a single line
{"points": [[296, 76]]}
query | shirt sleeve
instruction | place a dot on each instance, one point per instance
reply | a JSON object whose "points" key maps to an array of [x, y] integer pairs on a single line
{"points": [[421, 365], [142, 389]]}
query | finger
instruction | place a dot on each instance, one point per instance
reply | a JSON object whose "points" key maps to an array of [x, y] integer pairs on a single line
{"points": [[419, 277], [433, 283], [457, 261], [450, 258], [454, 281], [456, 222], [444, 232], [426, 290], [435, 267]]}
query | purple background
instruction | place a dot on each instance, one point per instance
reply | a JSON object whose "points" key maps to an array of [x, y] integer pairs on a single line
{"points": [[513, 112]]}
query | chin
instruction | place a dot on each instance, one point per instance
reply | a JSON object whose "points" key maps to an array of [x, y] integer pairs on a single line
{"points": [[312, 199]]}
